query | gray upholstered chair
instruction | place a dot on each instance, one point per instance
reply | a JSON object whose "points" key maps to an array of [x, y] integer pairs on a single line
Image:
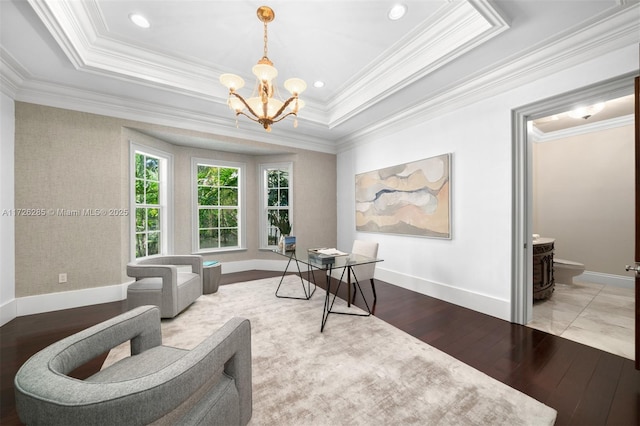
{"points": [[161, 281], [361, 272], [208, 385]]}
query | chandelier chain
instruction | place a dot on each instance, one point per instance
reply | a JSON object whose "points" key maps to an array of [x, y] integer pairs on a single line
{"points": [[265, 40]]}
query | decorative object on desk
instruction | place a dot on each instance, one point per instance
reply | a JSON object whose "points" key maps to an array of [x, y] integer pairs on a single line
{"points": [[412, 198], [289, 243], [322, 256]]}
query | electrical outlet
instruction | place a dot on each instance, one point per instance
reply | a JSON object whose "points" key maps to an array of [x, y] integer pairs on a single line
{"points": [[62, 278]]}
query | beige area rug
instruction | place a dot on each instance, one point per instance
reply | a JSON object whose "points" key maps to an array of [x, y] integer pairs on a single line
{"points": [[359, 371]]}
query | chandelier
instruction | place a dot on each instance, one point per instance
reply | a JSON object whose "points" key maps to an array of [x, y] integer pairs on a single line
{"points": [[262, 106]]}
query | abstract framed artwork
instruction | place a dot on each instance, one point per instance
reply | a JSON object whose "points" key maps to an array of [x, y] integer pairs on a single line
{"points": [[410, 199]]}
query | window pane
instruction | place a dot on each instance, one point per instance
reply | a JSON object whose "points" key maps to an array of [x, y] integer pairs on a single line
{"points": [[284, 197], [152, 170], [152, 193], [229, 177], [228, 218], [207, 196], [272, 197], [153, 219], [208, 218], [209, 238], [141, 249], [141, 219], [284, 179], [153, 245], [139, 166], [139, 191], [207, 175], [228, 238], [272, 236], [228, 196], [272, 178]]}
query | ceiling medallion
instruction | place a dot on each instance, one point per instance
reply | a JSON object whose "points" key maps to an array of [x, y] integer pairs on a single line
{"points": [[262, 107]]}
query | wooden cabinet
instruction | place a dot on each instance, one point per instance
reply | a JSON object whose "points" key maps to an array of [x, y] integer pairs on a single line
{"points": [[543, 282]]}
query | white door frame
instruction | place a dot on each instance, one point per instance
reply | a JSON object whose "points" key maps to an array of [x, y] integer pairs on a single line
{"points": [[522, 217]]}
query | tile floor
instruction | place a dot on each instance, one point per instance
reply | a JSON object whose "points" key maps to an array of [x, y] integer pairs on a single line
{"points": [[593, 314]]}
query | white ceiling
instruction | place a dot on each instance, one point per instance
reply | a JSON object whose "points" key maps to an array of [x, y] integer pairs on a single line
{"points": [[87, 55]]}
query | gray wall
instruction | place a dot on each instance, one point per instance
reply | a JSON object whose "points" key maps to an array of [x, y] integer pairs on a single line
{"points": [[71, 160], [584, 198]]}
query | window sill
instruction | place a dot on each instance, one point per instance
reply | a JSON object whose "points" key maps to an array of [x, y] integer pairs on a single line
{"points": [[222, 250]]}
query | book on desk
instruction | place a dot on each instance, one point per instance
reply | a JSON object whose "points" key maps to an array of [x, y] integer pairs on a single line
{"points": [[325, 256]]}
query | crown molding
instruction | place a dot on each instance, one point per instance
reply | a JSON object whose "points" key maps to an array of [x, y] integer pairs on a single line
{"points": [[576, 45], [57, 96], [12, 74], [79, 29], [454, 29], [539, 136]]}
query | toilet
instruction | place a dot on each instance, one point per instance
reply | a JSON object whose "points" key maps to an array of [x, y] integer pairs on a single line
{"points": [[565, 270]]}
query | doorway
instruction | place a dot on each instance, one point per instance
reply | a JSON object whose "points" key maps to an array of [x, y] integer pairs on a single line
{"points": [[583, 173], [522, 225]]}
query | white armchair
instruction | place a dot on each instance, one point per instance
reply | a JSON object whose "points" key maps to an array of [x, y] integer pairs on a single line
{"points": [[161, 281], [362, 272]]}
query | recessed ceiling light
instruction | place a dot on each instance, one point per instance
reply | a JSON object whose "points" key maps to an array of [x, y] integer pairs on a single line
{"points": [[397, 12], [318, 84], [586, 111], [139, 20]]}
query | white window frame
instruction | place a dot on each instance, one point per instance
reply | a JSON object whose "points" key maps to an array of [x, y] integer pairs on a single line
{"points": [[242, 245], [263, 219], [166, 197]]}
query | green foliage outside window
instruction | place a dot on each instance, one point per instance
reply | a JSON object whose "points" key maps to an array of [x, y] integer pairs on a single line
{"points": [[148, 209], [218, 206], [277, 205]]}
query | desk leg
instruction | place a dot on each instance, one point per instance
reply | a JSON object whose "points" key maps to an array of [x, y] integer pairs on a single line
{"points": [[357, 283], [348, 286], [306, 290], [328, 302], [325, 309]]}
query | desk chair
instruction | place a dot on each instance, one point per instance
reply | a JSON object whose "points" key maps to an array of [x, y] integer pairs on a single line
{"points": [[362, 272]]}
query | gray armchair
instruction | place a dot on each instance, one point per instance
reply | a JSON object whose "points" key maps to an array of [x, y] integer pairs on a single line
{"points": [[208, 385], [161, 281]]}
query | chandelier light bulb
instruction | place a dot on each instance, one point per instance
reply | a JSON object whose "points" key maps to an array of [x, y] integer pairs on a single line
{"points": [[236, 104], [265, 72], [295, 86], [232, 81]]}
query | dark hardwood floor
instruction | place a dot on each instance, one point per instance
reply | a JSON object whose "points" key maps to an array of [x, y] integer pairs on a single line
{"points": [[585, 385]]}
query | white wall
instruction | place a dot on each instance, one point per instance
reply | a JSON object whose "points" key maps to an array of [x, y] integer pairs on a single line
{"points": [[7, 224], [473, 269]]}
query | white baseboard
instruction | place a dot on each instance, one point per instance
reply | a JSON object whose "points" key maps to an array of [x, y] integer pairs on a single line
{"points": [[92, 296], [8, 311], [607, 279], [468, 299], [70, 299]]}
